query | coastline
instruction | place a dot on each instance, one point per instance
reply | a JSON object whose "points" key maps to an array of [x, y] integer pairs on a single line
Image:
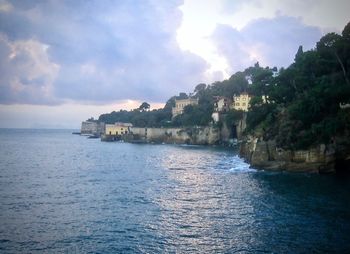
{"points": [[260, 154]]}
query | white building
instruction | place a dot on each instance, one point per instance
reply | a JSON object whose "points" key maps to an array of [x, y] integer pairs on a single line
{"points": [[215, 116], [222, 104]]}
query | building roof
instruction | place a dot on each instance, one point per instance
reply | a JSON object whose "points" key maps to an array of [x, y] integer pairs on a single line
{"points": [[120, 124], [218, 98], [188, 99]]}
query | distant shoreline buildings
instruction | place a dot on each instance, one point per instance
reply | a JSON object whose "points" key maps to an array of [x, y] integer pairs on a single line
{"points": [[222, 105]]}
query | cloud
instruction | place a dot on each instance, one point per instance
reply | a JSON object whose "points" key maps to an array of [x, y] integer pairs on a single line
{"points": [[229, 7], [26, 72], [330, 16], [97, 51], [272, 42], [5, 6]]}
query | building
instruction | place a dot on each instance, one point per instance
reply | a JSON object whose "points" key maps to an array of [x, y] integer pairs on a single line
{"points": [[180, 104], [344, 105], [117, 129], [215, 116], [241, 102], [222, 104], [92, 127], [265, 98]]}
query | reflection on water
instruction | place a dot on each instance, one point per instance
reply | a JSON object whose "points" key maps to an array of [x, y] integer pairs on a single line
{"points": [[64, 193], [201, 199]]}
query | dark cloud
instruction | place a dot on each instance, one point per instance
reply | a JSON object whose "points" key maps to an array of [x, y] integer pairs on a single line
{"points": [[94, 51], [272, 42]]}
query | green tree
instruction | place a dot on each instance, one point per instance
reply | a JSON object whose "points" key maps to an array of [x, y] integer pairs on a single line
{"points": [[144, 106]]}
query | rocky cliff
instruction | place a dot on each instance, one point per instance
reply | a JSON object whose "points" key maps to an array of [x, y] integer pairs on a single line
{"points": [[321, 159]]}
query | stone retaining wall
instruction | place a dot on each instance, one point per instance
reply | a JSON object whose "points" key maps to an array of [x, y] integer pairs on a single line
{"points": [[193, 135]]}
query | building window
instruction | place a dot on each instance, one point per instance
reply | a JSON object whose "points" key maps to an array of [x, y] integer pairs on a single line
{"points": [[243, 104], [116, 133], [110, 133], [244, 99], [237, 104]]}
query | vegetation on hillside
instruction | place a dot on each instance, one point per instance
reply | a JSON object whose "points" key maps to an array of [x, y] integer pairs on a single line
{"points": [[304, 100], [301, 105]]}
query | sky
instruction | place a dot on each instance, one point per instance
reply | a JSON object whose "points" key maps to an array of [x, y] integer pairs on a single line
{"points": [[62, 62]]}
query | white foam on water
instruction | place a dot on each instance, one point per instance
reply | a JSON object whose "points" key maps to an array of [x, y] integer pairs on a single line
{"points": [[238, 165]]}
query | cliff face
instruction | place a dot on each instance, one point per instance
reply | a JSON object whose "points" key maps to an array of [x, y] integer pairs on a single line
{"points": [[240, 126], [321, 159]]}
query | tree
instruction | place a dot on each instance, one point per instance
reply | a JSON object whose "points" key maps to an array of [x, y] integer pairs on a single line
{"points": [[304, 98], [233, 116], [261, 78], [329, 47], [194, 115], [200, 88], [346, 32], [144, 106], [182, 96], [299, 53]]}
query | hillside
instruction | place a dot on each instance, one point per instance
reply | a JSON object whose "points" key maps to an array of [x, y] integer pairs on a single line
{"points": [[304, 105]]}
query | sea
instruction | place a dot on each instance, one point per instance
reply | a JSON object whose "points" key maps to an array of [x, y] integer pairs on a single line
{"points": [[64, 193]]}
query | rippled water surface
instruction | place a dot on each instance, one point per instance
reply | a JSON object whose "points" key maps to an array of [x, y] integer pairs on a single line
{"points": [[64, 193]]}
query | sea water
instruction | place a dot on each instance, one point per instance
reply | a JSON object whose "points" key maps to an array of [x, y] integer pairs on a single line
{"points": [[65, 193]]}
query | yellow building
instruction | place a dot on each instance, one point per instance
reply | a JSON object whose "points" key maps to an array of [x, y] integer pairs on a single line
{"points": [[241, 102], [181, 104], [117, 129]]}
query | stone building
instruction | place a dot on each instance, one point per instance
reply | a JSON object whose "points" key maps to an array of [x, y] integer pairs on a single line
{"points": [[92, 127]]}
